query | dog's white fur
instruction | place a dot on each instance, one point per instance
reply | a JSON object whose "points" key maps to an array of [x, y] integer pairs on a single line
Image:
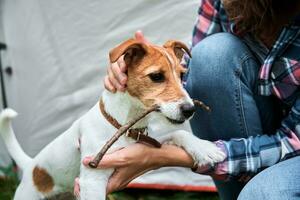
{"points": [[62, 159]]}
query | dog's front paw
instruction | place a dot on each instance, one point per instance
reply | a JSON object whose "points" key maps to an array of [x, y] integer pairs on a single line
{"points": [[207, 153], [202, 151]]}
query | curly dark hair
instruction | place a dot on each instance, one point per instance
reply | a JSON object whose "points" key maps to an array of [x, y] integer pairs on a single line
{"points": [[261, 17]]}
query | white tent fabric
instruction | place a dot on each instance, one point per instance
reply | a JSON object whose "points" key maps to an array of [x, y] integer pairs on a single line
{"points": [[58, 51]]}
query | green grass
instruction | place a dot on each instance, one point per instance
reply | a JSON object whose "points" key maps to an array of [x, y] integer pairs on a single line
{"points": [[8, 186]]}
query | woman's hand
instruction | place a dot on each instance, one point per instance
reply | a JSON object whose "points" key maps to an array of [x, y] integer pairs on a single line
{"points": [[116, 77], [137, 159]]}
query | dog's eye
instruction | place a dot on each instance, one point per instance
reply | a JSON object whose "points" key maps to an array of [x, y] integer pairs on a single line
{"points": [[157, 77]]}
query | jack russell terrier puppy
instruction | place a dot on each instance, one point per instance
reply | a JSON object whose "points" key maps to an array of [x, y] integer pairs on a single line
{"points": [[154, 78]]}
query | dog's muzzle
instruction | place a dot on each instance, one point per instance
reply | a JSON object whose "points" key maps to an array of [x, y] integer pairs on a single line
{"points": [[177, 112]]}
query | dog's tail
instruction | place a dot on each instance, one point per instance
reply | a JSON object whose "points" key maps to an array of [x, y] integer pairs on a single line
{"points": [[7, 133]]}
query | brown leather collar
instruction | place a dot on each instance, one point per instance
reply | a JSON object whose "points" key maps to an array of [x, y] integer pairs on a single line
{"points": [[138, 134]]}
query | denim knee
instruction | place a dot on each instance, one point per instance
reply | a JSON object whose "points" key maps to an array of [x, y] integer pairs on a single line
{"points": [[220, 47], [223, 73], [214, 58], [278, 182]]}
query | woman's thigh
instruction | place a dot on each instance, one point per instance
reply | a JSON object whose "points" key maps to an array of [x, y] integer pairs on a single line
{"points": [[279, 182]]}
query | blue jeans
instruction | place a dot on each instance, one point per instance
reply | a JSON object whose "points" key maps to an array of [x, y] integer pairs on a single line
{"points": [[223, 74]]}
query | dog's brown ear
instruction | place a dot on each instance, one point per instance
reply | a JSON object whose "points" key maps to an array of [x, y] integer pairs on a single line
{"points": [[178, 47], [132, 50]]}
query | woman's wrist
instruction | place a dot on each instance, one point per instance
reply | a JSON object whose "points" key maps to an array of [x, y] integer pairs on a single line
{"points": [[171, 155]]}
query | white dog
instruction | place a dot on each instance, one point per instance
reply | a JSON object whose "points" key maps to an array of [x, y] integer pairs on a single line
{"points": [[154, 78]]}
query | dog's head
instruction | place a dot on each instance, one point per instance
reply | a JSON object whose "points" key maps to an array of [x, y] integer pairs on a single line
{"points": [[155, 76]]}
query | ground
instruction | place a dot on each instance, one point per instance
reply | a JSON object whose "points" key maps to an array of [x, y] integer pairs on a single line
{"points": [[7, 187]]}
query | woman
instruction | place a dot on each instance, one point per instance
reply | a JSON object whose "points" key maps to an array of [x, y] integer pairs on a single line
{"points": [[245, 65]]}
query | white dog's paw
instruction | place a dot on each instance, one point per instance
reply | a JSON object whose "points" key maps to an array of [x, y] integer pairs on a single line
{"points": [[202, 151], [207, 153]]}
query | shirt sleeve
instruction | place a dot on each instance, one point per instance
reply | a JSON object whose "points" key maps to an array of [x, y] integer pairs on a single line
{"points": [[211, 19], [248, 156]]}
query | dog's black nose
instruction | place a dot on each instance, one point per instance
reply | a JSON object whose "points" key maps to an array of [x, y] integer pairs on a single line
{"points": [[187, 110]]}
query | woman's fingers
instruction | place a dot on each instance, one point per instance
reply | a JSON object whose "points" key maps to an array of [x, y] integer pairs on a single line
{"points": [[76, 191], [139, 35], [112, 160], [113, 79], [108, 85], [123, 157], [116, 78], [119, 70], [115, 182], [122, 64], [122, 177]]}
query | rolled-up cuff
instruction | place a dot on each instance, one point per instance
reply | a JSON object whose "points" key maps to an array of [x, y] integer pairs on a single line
{"points": [[221, 168]]}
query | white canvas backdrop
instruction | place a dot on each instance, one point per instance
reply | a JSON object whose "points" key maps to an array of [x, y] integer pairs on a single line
{"points": [[58, 51]]}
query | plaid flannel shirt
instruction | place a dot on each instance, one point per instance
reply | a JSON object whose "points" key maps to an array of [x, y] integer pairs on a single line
{"points": [[248, 156]]}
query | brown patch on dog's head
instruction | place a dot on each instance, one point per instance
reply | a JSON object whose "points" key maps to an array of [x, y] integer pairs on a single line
{"points": [[154, 73], [42, 180]]}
